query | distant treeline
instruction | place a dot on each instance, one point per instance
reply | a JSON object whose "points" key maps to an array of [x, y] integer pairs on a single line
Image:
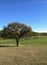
{"points": [[38, 34], [29, 34]]}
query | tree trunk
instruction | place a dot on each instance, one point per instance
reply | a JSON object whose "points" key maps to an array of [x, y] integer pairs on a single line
{"points": [[17, 42]]}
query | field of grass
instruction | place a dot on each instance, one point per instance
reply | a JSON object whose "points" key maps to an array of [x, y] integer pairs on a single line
{"points": [[31, 51], [32, 40]]}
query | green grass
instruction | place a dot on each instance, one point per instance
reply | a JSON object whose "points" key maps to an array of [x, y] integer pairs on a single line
{"points": [[32, 40], [7, 41]]}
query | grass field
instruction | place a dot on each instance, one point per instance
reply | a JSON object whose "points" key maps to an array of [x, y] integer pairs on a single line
{"points": [[32, 40], [31, 51]]}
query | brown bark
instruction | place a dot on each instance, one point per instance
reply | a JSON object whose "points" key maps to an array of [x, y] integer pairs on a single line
{"points": [[17, 43]]}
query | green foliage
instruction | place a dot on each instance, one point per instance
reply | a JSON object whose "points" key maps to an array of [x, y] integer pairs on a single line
{"points": [[15, 30]]}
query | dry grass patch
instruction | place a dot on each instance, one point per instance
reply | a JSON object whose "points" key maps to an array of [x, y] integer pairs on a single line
{"points": [[24, 55]]}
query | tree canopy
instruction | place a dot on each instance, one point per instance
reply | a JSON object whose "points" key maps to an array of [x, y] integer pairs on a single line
{"points": [[16, 30]]}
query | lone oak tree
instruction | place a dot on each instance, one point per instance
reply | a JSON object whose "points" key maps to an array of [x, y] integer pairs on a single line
{"points": [[16, 30]]}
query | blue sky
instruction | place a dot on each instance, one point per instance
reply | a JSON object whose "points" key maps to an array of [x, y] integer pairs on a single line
{"points": [[30, 12]]}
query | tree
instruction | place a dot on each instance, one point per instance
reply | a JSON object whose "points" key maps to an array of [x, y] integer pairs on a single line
{"points": [[1, 33], [15, 30]]}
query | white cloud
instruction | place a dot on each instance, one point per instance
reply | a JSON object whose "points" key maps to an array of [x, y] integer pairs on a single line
{"points": [[45, 31]]}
